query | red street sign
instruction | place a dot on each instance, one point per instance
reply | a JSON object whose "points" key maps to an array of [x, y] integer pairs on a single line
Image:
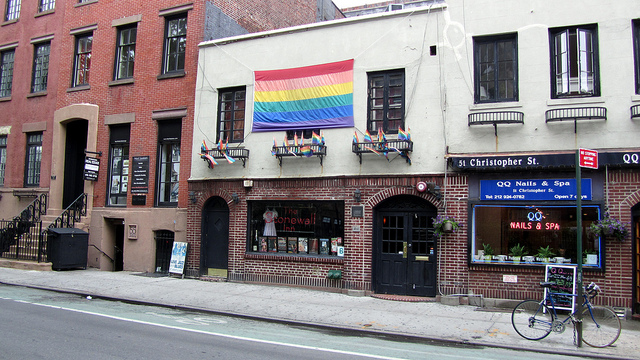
{"points": [[588, 158]]}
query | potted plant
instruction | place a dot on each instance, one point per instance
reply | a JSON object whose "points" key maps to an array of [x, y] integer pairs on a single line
{"points": [[443, 224], [609, 227], [590, 257], [517, 252], [488, 252], [545, 253]]}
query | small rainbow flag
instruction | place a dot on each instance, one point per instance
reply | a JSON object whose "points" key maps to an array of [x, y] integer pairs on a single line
{"points": [[309, 97], [209, 159], [273, 149], [381, 136], [355, 137], [403, 135], [316, 139], [367, 136], [306, 151]]}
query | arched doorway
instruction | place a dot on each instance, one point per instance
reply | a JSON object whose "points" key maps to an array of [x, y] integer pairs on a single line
{"points": [[214, 253], [404, 247], [75, 145]]}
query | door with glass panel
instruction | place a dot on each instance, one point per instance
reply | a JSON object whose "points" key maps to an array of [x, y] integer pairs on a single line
{"points": [[405, 253]]}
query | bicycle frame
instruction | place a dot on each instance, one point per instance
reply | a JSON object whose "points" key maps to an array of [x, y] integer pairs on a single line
{"points": [[554, 315]]}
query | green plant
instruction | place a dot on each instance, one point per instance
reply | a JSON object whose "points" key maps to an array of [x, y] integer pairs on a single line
{"points": [[545, 252], [439, 224], [488, 250], [518, 250], [609, 226]]}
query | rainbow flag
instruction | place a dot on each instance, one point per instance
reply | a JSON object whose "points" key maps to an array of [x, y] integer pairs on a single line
{"points": [[367, 136], [306, 151], [355, 137], [316, 139], [403, 135], [310, 97]]}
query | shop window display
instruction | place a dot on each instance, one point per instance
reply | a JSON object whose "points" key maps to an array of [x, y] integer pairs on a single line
{"points": [[533, 235], [308, 228]]}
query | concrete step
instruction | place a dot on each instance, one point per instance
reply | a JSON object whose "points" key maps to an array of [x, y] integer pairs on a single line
{"points": [[25, 265]]}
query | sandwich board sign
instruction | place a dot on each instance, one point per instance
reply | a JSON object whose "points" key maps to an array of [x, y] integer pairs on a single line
{"points": [[178, 257]]}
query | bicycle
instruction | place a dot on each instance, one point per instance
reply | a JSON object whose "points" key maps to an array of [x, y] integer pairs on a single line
{"points": [[534, 320]]}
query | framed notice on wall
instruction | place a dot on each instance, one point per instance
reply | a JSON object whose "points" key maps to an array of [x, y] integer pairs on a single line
{"points": [[564, 278]]}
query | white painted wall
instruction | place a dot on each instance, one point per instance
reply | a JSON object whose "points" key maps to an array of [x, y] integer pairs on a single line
{"points": [[439, 89]]}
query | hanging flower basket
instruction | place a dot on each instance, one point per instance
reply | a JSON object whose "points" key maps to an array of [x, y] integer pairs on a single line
{"points": [[443, 224], [609, 227]]}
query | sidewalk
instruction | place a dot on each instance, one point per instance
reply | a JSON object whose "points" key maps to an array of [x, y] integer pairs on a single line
{"points": [[430, 320]]}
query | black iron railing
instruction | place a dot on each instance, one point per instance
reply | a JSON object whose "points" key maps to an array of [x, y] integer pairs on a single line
{"points": [[20, 237], [72, 214]]}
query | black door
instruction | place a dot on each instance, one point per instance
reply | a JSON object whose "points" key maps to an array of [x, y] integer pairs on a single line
{"points": [[75, 145], [405, 248], [215, 237]]}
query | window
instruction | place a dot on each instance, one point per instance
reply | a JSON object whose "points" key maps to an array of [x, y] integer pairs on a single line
{"points": [[386, 101], [574, 62], [3, 157], [502, 227], [46, 5], [496, 69], [118, 164], [305, 228], [175, 42], [82, 62], [168, 162], [636, 52], [231, 114], [33, 159], [13, 10], [6, 73], [40, 67], [126, 49]]}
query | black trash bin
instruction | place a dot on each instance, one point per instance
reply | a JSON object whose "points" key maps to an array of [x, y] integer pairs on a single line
{"points": [[67, 248]]}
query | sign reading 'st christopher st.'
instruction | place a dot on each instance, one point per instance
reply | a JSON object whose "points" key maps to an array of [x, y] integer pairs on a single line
{"points": [[533, 189]]}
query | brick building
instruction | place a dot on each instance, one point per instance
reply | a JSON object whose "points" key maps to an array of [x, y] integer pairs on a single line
{"points": [[493, 103], [121, 85]]}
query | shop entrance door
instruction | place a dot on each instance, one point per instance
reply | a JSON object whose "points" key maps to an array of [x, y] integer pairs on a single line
{"points": [[215, 238], [405, 252], [636, 259]]}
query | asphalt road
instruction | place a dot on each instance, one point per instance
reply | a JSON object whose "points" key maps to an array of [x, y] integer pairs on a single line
{"points": [[36, 324]]}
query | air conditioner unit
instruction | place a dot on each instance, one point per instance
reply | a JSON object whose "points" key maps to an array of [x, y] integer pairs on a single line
{"points": [[393, 7]]}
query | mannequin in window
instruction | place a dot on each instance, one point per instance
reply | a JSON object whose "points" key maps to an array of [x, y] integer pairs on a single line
{"points": [[269, 217]]}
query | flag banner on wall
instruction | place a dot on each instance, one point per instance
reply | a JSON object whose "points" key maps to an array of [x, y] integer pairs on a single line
{"points": [[310, 97]]}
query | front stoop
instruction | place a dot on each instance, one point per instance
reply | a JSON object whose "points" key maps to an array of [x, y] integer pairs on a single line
{"points": [[25, 265]]}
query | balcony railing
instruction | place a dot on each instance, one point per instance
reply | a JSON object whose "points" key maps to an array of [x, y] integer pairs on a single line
{"points": [[635, 112], [234, 153], [575, 114], [496, 117], [318, 150], [401, 147]]}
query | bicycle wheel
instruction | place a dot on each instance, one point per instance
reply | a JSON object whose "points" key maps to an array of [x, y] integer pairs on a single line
{"points": [[600, 326], [531, 320]]}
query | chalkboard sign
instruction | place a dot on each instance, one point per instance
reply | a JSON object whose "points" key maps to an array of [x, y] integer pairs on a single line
{"points": [[564, 278]]}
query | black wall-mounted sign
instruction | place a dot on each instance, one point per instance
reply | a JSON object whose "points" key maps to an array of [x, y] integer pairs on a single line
{"points": [[357, 211], [138, 200], [140, 180], [91, 168]]}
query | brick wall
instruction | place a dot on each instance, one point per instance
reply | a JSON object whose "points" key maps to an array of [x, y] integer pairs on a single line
{"points": [[357, 262]]}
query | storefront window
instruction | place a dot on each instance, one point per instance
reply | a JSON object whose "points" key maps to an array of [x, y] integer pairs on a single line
{"points": [[309, 228], [532, 235]]}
